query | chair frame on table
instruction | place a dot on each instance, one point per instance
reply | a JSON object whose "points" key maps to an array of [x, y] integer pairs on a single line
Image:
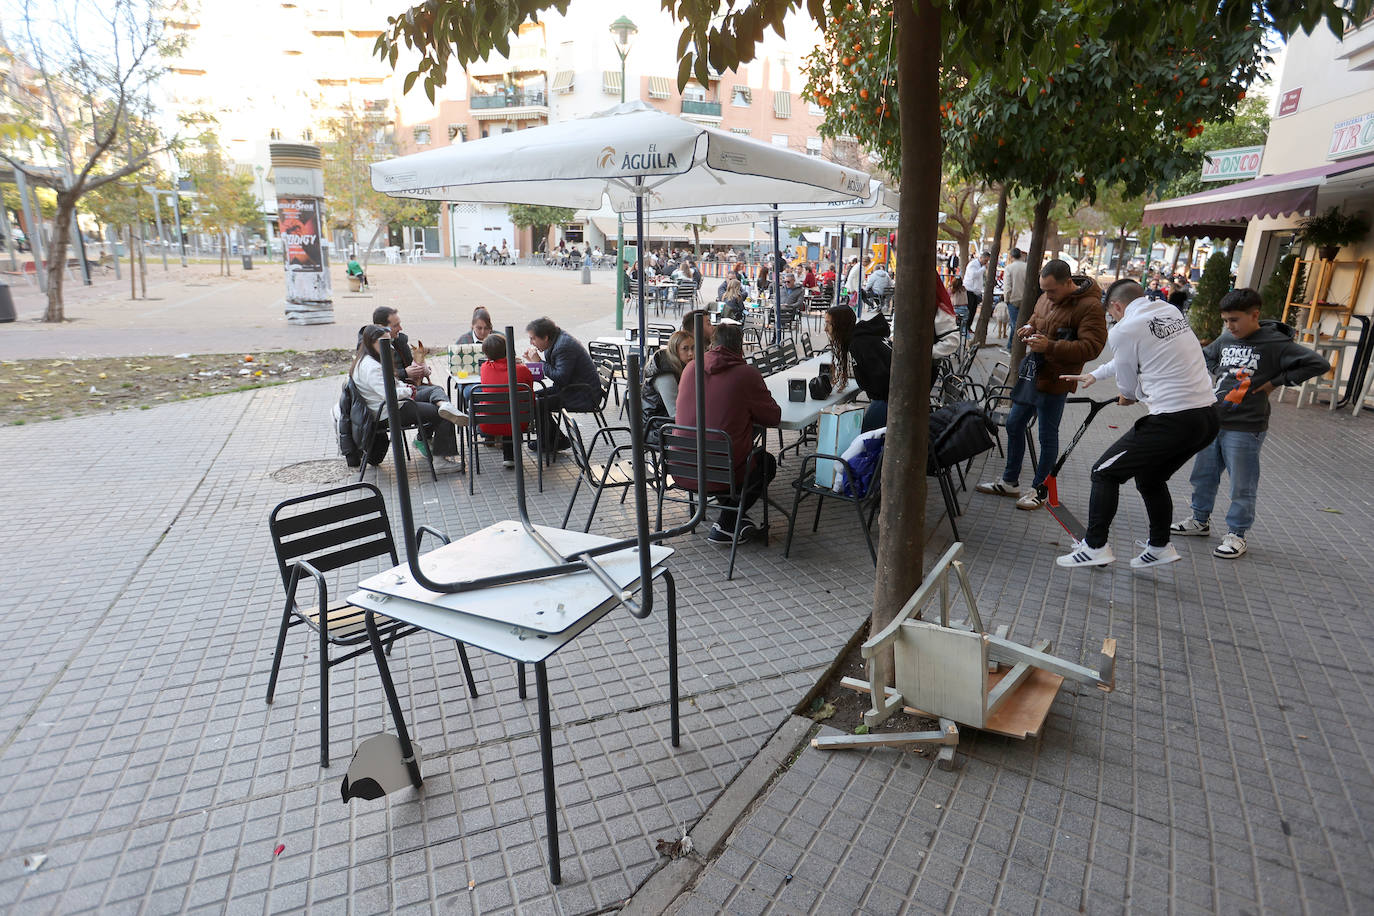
{"points": [[678, 459], [613, 473], [806, 485], [316, 541], [490, 405]]}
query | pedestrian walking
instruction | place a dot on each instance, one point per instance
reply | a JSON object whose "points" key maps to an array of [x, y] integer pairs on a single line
{"points": [[1157, 361]]}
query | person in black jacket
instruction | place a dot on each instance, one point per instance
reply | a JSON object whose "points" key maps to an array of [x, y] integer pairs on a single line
{"points": [[866, 345], [567, 363]]}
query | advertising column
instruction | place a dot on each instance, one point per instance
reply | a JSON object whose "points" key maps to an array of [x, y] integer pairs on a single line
{"points": [[298, 176]]}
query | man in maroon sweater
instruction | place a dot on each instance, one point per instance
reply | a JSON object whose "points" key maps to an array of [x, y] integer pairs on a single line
{"points": [[737, 400]]}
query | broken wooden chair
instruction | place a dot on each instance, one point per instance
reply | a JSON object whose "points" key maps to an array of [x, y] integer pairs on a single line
{"points": [[958, 672]]}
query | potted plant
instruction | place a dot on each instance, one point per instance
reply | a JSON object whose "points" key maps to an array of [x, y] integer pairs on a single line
{"points": [[1332, 230]]}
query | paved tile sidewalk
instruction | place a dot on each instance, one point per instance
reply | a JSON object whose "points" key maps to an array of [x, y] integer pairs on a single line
{"points": [[1229, 772], [138, 755]]}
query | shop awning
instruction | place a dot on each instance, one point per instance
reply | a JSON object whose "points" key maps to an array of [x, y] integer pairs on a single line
{"points": [[563, 81], [782, 104], [1223, 213], [659, 87]]}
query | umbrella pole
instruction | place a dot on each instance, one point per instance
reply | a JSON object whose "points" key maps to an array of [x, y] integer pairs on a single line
{"points": [[859, 297], [839, 266], [639, 235], [777, 283]]}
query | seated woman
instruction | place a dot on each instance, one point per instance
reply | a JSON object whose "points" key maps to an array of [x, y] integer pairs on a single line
{"points": [[865, 345], [946, 327], [438, 420], [958, 296], [481, 327], [494, 372], [732, 300], [662, 373]]}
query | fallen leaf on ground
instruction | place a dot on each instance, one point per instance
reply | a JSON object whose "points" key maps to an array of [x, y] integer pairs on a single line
{"points": [[825, 711]]}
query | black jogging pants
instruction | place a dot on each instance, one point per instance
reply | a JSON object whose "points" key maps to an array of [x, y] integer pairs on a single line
{"points": [[1155, 448]]}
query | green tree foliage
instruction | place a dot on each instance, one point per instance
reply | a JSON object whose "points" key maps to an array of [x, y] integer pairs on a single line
{"points": [[1275, 291], [538, 218], [1249, 127], [225, 204], [1215, 283]]}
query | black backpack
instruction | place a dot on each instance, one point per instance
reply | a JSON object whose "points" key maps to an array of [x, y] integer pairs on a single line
{"points": [[958, 432]]}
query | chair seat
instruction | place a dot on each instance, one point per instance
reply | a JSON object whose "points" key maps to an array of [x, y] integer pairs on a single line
{"points": [[621, 472], [347, 624]]}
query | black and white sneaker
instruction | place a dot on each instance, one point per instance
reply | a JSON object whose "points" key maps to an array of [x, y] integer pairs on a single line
{"points": [[719, 535], [452, 414], [1083, 555], [1231, 547], [1151, 555], [748, 530], [1191, 527], [999, 488]]}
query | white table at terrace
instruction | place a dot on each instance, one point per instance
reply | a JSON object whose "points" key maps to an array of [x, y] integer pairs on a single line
{"points": [[801, 414]]}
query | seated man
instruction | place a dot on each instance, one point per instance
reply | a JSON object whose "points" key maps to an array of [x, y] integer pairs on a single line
{"points": [[879, 282], [356, 270], [791, 293], [408, 370], [689, 324], [737, 400], [567, 364]]}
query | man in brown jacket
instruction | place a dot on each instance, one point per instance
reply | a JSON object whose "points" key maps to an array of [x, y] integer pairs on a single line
{"points": [[1066, 330]]}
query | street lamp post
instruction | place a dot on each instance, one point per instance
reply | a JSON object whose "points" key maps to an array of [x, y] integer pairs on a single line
{"points": [[623, 31]]}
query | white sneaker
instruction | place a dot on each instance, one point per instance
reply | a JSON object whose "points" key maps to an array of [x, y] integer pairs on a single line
{"points": [[1031, 499], [1083, 555], [999, 488], [1191, 527], [1231, 546], [1154, 556], [452, 414]]}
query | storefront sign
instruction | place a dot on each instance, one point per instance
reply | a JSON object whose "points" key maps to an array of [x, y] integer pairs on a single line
{"points": [[1229, 164], [293, 182], [1352, 136], [1288, 102], [299, 223]]}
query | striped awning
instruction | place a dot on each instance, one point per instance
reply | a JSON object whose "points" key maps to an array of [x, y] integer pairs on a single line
{"points": [[782, 104], [659, 87], [563, 81], [610, 82]]}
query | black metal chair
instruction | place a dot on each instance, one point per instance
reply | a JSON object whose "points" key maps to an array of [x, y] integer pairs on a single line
{"points": [[684, 295], [613, 356], [678, 461], [790, 356], [614, 472], [490, 405], [317, 534], [864, 502], [381, 426], [808, 350]]}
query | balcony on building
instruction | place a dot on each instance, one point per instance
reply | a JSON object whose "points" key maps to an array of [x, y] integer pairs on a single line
{"points": [[509, 102], [701, 110]]}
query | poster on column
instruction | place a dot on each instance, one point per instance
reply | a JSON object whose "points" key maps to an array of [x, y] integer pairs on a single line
{"points": [[299, 222]]}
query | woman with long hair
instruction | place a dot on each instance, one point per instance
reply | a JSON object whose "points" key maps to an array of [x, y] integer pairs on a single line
{"points": [[662, 373], [733, 300], [369, 381], [481, 327], [863, 348]]}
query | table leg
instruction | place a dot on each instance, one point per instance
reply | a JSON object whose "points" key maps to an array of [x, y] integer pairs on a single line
{"points": [[520, 669], [541, 681], [672, 657], [407, 752]]}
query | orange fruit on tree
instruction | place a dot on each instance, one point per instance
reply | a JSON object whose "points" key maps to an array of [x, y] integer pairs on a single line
{"points": [[863, 93]]}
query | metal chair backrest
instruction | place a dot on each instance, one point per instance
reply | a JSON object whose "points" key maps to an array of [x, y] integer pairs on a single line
{"points": [[686, 290], [607, 376], [664, 331], [679, 458], [808, 351], [490, 404], [608, 353], [328, 533], [789, 353], [581, 457]]}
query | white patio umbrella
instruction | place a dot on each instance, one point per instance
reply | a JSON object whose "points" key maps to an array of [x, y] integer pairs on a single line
{"points": [[622, 155]]}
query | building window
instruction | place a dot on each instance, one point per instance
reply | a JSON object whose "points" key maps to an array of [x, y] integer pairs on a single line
{"points": [[458, 132], [274, 133], [741, 130], [813, 146], [421, 133], [694, 92], [740, 95], [815, 110], [307, 135], [780, 140]]}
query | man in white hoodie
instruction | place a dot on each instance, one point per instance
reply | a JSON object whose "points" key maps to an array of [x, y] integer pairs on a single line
{"points": [[1156, 360]]}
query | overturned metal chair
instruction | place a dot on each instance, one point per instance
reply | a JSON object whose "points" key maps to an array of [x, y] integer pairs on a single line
{"points": [[958, 672]]}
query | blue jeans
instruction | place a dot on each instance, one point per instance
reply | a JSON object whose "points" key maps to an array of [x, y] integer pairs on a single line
{"points": [[1237, 452], [1013, 309], [1049, 408]]}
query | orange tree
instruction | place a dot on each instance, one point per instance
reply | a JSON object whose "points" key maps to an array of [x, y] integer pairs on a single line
{"points": [[993, 43]]}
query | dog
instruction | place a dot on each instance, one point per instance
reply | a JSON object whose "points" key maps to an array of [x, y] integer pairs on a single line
{"points": [[1003, 318]]}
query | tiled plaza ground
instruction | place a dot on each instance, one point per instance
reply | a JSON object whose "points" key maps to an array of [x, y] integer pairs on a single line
{"points": [[1230, 770]]}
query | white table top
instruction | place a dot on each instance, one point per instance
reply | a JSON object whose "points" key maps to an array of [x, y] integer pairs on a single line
{"points": [[550, 610], [801, 414]]}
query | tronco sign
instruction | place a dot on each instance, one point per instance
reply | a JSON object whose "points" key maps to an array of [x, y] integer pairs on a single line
{"points": [[1352, 136], [1230, 164]]}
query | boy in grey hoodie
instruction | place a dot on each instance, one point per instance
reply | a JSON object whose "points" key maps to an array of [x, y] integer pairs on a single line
{"points": [[1253, 358]]}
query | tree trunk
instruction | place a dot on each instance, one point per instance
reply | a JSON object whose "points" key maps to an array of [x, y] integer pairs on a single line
{"points": [[990, 280], [1033, 264], [142, 263], [1120, 253], [901, 526], [1178, 250], [696, 239], [367, 252], [57, 255]]}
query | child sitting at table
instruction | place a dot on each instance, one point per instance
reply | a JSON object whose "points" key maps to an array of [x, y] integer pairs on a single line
{"points": [[494, 372]]}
